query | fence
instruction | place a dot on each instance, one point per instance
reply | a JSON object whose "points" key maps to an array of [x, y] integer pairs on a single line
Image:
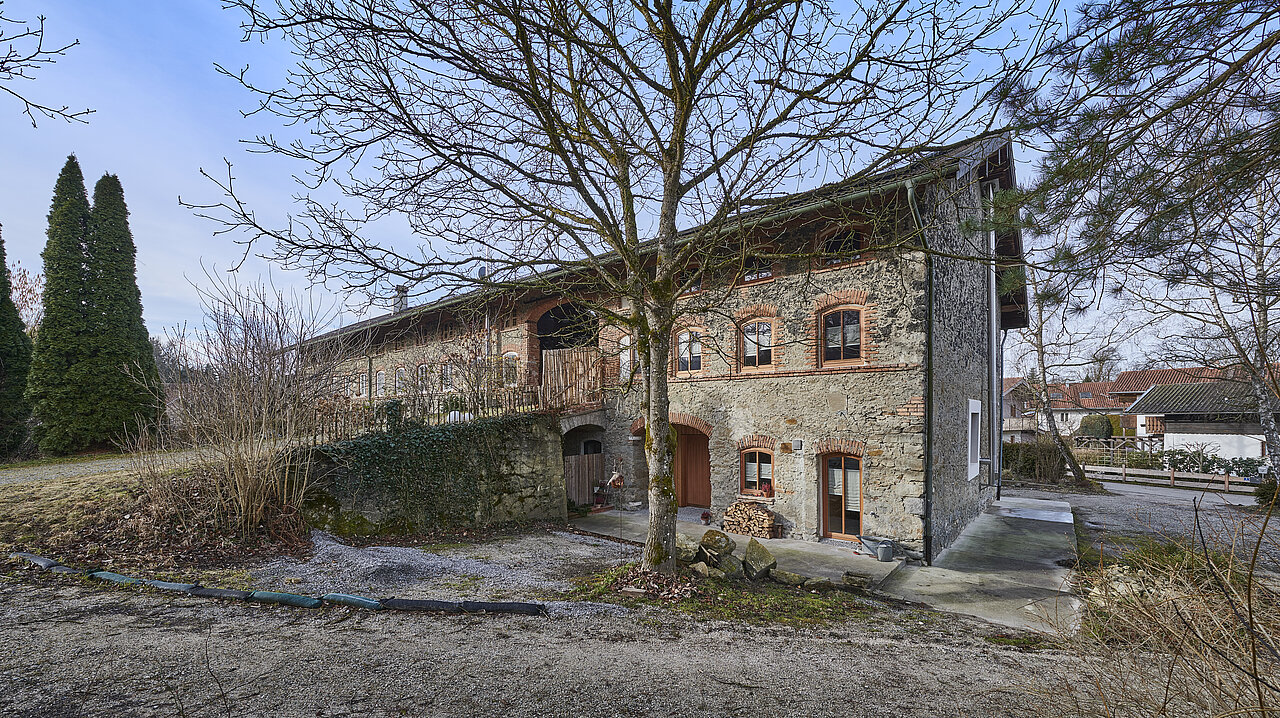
{"points": [[1177, 479], [572, 379], [1116, 451]]}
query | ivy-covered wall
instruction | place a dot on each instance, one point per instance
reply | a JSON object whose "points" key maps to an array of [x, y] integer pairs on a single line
{"points": [[418, 478]]}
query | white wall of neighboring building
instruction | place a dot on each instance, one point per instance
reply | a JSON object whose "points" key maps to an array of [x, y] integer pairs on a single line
{"points": [[1229, 446]]}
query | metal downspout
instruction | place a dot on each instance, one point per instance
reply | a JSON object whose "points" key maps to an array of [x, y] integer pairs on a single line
{"points": [[995, 412], [928, 375]]}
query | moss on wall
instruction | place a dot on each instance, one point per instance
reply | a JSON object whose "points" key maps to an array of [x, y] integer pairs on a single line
{"points": [[459, 474]]}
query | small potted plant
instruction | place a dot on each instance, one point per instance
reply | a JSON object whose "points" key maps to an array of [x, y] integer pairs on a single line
{"points": [[706, 518]]}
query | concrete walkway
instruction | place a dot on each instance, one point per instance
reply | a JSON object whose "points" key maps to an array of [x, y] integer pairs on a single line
{"points": [[1004, 568], [817, 560]]}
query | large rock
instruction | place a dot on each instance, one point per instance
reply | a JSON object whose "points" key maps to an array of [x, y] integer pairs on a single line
{"points": [[853, 581], [787, 578], [718, 542], [757, 561], [703, 569], [731, 566], [686, 549], [821, 585]]}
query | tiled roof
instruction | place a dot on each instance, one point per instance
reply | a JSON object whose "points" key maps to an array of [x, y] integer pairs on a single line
{"points": [[1212, 397], [1136, 382], [1084, 395], [1008, 383]]}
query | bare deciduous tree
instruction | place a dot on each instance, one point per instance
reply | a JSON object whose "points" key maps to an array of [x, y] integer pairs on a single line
{"points": [[22, 53], [601, 150]]}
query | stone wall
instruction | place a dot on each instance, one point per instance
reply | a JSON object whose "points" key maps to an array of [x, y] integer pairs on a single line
{"points": [[485, 472], [960, 341]]}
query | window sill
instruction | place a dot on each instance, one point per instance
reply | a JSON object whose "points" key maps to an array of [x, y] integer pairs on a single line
{"points": [[766, 369], [823, 267], [754, 282], [767, 500], [842, 363]]}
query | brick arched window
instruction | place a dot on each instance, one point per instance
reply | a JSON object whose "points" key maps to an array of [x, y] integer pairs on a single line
{"points": [[688, 351], [424, 379], [757, 472], [756, 346], [402, 381], [840, 336], [380, 383]]}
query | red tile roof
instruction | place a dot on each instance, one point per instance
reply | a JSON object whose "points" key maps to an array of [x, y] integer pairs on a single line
{"points": [[1136, 382], [1084, 395], [1008, 383]]}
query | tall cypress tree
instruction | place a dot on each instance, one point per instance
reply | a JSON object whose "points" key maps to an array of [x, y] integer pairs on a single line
{"points": [[125, 391], [15, 360], [56, 382]]}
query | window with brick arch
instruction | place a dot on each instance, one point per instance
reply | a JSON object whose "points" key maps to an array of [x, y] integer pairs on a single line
{"points": [[689, 351], [380, 382], [757, 472], [402, 381], [842, 336], [424, 379], [757, 344]]}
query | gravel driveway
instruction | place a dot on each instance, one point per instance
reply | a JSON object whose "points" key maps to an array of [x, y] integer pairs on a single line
{"points": [[78, 651], [1227, 520]]}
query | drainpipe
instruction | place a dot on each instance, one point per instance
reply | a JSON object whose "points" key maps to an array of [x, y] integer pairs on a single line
{"points": [[995, 408], [928, 375]]}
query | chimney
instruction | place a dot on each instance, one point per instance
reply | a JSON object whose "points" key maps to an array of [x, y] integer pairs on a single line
{"points": [[402, 298]]}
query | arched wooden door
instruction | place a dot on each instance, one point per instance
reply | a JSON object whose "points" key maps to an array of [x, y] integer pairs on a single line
{"points": [[693, 468]]}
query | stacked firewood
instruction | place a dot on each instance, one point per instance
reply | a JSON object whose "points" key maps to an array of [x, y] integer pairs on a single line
{"points": [[747, 518]]}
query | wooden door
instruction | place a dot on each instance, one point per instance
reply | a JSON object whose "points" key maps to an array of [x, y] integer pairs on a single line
{"points": [[841, 496], [693, 468], [582, 474]]}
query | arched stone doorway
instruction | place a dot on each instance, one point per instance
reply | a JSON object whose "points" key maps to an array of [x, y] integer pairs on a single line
{"points": [[584, 469]]}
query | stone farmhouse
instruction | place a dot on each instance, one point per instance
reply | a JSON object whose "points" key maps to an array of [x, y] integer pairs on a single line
{"points": [[852, 386]]}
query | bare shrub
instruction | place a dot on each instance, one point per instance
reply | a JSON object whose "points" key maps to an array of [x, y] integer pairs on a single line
{"points": [[245, 412], [1185, 628]]}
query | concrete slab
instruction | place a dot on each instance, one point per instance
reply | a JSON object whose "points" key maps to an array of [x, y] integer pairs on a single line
{"points": [[1006, 567], [809, 558]]}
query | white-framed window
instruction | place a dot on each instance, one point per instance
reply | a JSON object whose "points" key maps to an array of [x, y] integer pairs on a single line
{"points": [[628, 360], [446, 377], [402, 381], [975, 437], [380, 383], [363, 389], [424, 379], [689, 351], [757, 344]]}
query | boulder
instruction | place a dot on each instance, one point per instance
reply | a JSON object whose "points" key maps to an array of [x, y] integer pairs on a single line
{"points": [[854, 581], [787, 578], [731, 567], [700, 568], [757, 561], [821, 585], [718, 542], [686, 549]]}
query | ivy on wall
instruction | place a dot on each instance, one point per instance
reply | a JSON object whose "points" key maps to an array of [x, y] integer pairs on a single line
{"points": [[414, 478]]}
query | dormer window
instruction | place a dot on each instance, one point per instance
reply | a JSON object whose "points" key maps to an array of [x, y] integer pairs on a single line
{"points": [[844, 246]]}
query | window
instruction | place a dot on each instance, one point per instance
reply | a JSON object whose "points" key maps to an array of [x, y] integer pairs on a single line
{"points": [[1055, 395], [364, 386], [446, 377], [424, 379], [689, 351], [402, 381], [757, 344], [380, 382], [843, 247], [975, 437], [592, 446], [1086, 395], [757, 269], [510, 369], [353, 385], [757, 473], [843, 510], [842, 335], [628, 360], [1064, 416]]}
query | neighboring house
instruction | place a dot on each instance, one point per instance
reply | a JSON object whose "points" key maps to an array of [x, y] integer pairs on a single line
{"points": [[1129, 385], [1070, 403], [853, 395], [1218, 416], [1017, 411]]}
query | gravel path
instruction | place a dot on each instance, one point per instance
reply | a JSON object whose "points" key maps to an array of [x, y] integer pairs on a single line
{"points": [[74, 650]]}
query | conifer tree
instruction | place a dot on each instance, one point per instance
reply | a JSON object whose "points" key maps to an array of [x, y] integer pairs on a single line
{"points": [[121, 360], [15, 360], [56, 382]]}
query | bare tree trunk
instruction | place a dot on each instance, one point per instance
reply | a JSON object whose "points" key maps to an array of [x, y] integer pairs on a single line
{"points": [[1042, 395], [659, 450]]}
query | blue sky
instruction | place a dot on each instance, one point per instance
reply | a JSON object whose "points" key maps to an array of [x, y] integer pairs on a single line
{"points": [[162, 113]]}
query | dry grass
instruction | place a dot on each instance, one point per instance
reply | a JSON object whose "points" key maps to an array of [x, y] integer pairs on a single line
{"points": [[1178, 629]]}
